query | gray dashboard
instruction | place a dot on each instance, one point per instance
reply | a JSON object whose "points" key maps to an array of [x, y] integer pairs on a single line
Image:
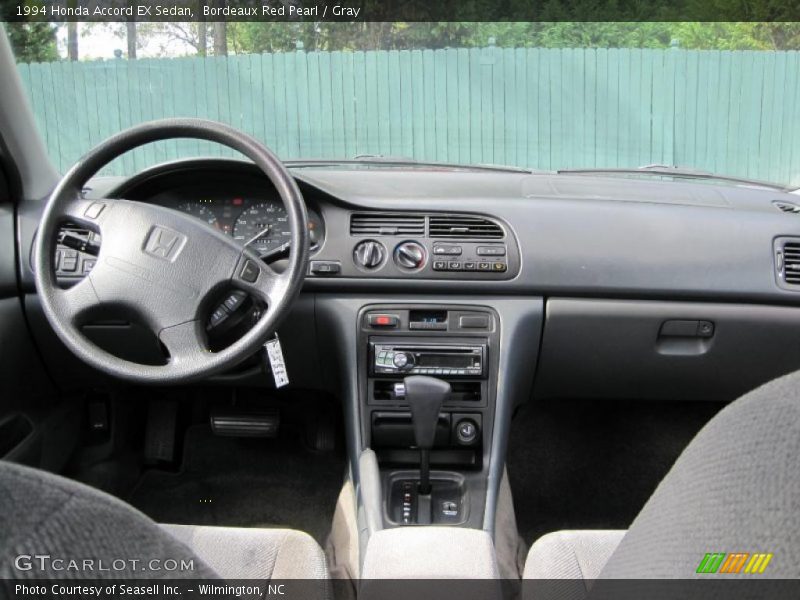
{"points": [[615, 259], [566, 235]]}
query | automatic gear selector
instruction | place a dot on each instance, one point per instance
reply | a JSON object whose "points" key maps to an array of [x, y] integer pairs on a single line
{"points": [[425, 396]]}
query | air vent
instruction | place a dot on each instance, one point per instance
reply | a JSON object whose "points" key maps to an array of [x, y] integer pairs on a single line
{"points": [[387, 224], [789, 261], [787, 207], [461, 226]]}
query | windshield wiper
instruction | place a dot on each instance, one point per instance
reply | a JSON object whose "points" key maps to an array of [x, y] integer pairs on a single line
{"points": [[401, 161], [674, 171]]}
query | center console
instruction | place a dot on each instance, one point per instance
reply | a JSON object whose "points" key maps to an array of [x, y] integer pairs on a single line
{"points": [[428, 376]]}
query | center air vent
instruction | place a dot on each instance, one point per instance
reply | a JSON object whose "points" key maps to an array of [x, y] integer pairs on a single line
{"points": [[458, 226], [387, 224]]}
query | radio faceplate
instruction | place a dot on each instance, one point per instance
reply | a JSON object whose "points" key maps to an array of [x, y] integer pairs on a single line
{"points": [[424, 359]]}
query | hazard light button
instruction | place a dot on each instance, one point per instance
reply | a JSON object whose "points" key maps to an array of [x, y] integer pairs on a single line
{"points": [[383, 320]]}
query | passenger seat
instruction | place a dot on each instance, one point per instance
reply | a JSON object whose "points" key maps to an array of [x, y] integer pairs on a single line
{"points": [[734, 489]]}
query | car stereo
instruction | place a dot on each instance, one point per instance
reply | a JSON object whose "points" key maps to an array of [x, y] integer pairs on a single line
{"points": [[419, 359]]}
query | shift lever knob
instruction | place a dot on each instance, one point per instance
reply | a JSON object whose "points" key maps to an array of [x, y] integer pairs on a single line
{"points": [[425, 396]]}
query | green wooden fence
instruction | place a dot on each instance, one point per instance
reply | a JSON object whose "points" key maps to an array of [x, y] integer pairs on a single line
{"points": [[728, 112]]}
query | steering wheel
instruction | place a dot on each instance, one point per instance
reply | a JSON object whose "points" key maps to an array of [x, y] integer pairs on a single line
{"points": [[163, 266]]}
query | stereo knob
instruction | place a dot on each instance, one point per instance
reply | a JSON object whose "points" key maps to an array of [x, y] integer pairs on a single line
{"points": [[403, 360], [409, 255], [369, 254]]}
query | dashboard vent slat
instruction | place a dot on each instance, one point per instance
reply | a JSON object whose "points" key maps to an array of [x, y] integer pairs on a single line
{"points": [[789, 262], [463, 226], [387, 224], [787, 207]]}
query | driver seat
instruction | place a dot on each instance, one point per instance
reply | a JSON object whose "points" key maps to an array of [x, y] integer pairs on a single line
{"points": [[44, 514]]}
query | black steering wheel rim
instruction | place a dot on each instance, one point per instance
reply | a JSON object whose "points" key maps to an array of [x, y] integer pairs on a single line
{"points": [[155, 257]]}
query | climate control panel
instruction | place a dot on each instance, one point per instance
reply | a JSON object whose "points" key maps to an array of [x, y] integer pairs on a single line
{"points": [[411, 245]]}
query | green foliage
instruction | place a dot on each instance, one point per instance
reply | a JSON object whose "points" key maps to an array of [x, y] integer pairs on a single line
{"points": [[272, 37], [36, 42], [33, 42]]}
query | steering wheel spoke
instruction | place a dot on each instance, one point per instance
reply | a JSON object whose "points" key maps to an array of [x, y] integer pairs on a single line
{"points": [[185, 344], [74, 302]]}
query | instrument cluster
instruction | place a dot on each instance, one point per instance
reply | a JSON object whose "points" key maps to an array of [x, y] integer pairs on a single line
{"points": [[259, 222]]}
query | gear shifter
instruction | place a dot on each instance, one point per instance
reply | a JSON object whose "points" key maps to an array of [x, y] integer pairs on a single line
{"points": [[425, 396]]}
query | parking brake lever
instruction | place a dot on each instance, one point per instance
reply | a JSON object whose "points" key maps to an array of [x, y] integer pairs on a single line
{"points": [[425, 396]]}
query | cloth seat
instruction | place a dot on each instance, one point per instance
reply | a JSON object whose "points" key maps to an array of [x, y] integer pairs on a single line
{"points": [[571, 554], [44, 514], [245, 553], [735, 489]]}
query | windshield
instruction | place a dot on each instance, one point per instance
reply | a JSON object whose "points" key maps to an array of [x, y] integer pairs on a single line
{"points": [[719, 97]]}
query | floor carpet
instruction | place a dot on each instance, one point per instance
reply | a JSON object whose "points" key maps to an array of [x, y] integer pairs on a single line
{"points": [[245, 482], [594, 464]]}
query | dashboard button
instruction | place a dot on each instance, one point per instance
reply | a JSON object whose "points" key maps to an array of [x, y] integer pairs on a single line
{"points": [[473, 322], [219, 315], [324, 267], [69, 261], [470, 266], [383, 320], [454, 265], [87, 265], [249, 272], [498, 266], [484, 266], [491, 251], [447, 250], [94, 209], [233, 301], [439, 265]]}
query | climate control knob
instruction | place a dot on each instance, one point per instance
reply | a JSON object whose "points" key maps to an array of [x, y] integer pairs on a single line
{"points": [[369, 254], [409, 255]]}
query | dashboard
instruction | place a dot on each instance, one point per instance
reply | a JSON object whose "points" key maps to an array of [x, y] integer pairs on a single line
{"points": [[622, 269], [510, 233], [345, 243]]}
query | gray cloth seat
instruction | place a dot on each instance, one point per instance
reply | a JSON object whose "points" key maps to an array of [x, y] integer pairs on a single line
{"points": [[44, 514], [244, 553], [571, 554], [734, 489]]}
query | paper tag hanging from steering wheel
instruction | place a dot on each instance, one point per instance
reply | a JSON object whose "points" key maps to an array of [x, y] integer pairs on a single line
{"points": [[276, 362]]}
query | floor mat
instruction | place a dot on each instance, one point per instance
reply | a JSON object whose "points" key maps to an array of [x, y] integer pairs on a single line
{"points": [[594, 464], [245, 482]]}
